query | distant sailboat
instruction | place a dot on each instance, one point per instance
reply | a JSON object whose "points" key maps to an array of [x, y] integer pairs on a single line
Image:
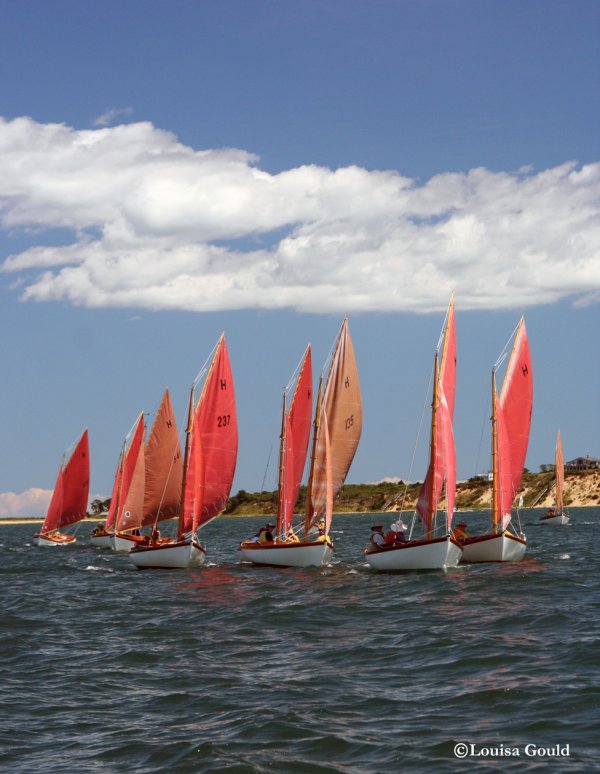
{"points": [[208, 468], [101, 535], [69, 498], [511, 420], [295, 435], [436, 548], [131, 492], [559, 514]]}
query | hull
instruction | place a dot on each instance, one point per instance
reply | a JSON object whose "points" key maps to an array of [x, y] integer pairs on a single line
{"points": [[434, 554], [494, 548], [57, 539], [560, 518], [101, 541], [173, 555], [287, 554], [123, 543]]}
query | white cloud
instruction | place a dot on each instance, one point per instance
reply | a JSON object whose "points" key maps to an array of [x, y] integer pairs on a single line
{"points": [[110, 116], [158, 225], [32, 502]]}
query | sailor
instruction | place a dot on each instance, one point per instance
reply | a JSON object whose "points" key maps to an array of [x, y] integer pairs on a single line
{"points": [[377, 538], [459, 532], [265, 534]]}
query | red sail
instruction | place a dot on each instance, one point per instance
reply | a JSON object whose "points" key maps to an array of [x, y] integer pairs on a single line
{"points": [[164, 466], [114, 498], [295, 444], [70, 498], [442, 464], [559, 473], [52, 520], [213, 450], [503, 470], [131, 500], [516, 401]]}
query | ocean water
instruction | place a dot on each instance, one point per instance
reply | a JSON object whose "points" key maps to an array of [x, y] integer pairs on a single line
{"points": [[231, 668]]}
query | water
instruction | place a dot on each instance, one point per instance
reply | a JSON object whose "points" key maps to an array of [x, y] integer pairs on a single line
{"points": [[238, 669]]}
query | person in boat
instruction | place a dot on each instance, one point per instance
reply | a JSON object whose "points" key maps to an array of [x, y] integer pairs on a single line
{"points": [[316, 532], [155, 536], [377, 536], [291, 536], [459, 533], [550, 513], [265, 534], [99, 529]]}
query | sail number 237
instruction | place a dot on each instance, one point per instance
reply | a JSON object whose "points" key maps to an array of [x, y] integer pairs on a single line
{"points": [[223, 420]]}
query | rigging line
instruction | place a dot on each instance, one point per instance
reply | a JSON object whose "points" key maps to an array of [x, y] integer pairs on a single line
{"points": [[296, 372], [206, 363], [412, 462], [504, 353], [262, 489]]}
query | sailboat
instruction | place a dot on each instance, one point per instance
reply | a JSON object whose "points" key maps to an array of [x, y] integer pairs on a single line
{"points": [[293, 448], [102, 533], [436, 548], [208, 467], [161, 481], [558, 514], [69, 498], [131, 491], [337, 429], [511, 420]]}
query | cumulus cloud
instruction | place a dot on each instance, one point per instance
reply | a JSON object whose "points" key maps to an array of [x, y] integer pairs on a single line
{"points": [[32, 502], [158, 225]]}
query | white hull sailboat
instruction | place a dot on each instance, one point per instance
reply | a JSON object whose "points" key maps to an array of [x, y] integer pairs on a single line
{"points": [[122, 543], [69, 498], [434, 554], [511, 420], [495, 548], [337, 430], [181, 554], [288, 554], [101, 541], [432, 551], [558, 516], [208, 468], [556, 520], [50, 540]]}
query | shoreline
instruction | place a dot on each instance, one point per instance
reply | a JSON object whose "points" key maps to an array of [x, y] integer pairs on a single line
{"points": [[407, 514]]}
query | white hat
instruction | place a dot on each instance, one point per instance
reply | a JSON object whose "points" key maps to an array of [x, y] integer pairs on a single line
{"points": [[399, 525]]}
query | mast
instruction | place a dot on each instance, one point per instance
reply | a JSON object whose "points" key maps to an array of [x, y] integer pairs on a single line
{"points": [[312, 458], [495, 498], [281, 484], [188, 433], [433, 447]]}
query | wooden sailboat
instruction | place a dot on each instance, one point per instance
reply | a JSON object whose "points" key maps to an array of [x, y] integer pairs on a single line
{"points": [[295, 435], [131, 492], [337, 430], [208, 468], [101, 535], [559, 514], [161, 481], [436, 548], [511, 420], [69, 498]]}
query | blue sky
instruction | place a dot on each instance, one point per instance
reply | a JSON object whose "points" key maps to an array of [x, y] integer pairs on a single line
{"points": [[172, 170]]}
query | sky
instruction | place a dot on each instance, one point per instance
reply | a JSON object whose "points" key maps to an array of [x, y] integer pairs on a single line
{"points": [[172, 170]]}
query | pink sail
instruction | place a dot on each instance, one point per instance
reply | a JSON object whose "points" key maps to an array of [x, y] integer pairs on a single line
{"points": [[114, 498], [560, 474], [442, 462], [336, 439], [214, 443], [70, 497], [516, 401], [295, 439], [164, 466], [131, 500]]}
